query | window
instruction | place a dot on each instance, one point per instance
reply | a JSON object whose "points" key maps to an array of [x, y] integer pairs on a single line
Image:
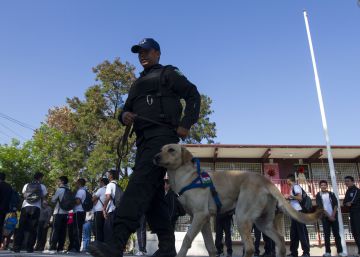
{"points": [[254, 167]]}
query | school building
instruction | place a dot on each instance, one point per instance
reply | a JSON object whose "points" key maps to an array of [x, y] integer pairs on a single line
{"points": [[276, 162]]}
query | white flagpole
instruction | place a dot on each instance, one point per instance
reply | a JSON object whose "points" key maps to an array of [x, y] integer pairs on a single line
{"points": [[325, 128]]}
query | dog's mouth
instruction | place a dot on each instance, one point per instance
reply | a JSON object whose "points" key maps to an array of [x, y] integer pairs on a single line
{"points": [[157, 163]]}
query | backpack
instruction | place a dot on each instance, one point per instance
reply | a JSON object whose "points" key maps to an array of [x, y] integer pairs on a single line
{"points": [[14, 201], [33, 192], [306, 202], [67, 202], [87, 204], [118, 195]]}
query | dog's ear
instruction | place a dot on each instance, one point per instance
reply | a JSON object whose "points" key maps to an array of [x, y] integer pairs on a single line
{"points": [[186, 156]]}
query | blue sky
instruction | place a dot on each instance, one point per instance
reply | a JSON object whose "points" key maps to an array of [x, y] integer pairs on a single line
{"points": [[251, 57]]}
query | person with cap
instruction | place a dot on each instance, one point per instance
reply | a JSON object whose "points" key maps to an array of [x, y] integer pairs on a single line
{"points": [[153, 106]]}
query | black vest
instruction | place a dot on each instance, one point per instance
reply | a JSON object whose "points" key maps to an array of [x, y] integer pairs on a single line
{"points": [[152, 98]]}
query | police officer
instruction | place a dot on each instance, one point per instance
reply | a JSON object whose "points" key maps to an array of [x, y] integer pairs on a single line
{"points": [[352, 201], [154, 107]]}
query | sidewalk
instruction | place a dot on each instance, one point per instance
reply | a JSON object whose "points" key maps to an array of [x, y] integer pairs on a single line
{"points": [[197, 250], [39, 254]]}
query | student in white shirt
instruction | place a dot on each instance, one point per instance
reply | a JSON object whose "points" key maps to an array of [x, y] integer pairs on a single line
{"points": [[298, 231], [79, 215], [34, 193], [328, 201], [58, 234], [109, 206], [99, 200]]}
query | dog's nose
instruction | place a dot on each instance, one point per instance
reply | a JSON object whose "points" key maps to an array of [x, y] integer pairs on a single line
{"points": [[157, 158]]}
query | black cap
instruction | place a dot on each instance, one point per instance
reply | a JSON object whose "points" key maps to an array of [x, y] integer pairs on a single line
{"points": [[146, 43]]}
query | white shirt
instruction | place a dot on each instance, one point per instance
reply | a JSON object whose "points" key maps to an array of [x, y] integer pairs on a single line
{"points": [[38, 203], [295, 203], [58, 196], [327, 203], [110, 190], [100, 194], [80, 194]]}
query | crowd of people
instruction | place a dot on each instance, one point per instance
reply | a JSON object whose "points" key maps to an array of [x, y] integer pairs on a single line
{"points": [[80, 215], [76, 215]]}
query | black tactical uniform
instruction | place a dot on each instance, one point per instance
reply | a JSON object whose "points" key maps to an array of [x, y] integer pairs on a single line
{"points": [[155, 95], [353, 196]]}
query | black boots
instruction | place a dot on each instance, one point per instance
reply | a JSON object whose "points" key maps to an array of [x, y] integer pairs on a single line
{"points": [[100, 249], [166, 245]]}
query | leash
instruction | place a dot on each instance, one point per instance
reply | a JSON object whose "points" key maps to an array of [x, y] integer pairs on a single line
{"points": [[123, 146], [122, 143], [203, 180]]}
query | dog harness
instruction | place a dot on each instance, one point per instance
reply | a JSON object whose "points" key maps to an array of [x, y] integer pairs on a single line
{"points": [[203, 180]]}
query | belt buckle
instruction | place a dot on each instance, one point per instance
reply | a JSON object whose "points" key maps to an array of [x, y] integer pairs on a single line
{"points": [[149, 100]]}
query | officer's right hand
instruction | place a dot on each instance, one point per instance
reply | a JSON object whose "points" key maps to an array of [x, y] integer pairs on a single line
{"points": [[128, 118]]}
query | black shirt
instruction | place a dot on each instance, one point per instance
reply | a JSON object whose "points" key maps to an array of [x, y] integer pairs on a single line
{"points": [[175, 83], [353, 195], [5, 196]]}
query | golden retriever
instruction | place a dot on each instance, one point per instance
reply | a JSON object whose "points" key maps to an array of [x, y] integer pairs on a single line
{"points": [[253, 197]]}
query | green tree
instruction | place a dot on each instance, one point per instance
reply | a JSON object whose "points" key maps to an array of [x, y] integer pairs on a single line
{"points": [[57, 155], [17, 163], [92, 123], [204, 129]]}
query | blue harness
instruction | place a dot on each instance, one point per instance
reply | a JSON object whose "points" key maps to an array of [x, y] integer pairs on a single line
{"points": [[203, 180]]}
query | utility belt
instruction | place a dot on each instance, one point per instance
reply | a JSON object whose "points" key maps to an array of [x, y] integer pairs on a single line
{"points": [[153, 131], [145, 120]]}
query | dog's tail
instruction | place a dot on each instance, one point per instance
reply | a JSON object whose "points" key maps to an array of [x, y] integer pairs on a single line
{"points": [[306, 218]]}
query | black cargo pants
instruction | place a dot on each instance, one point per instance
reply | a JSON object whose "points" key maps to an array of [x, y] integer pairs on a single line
{"points": [[145, 194], [223, 224], [29, 219], [355, 226]]}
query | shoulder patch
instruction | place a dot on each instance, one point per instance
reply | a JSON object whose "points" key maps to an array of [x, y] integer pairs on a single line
{"points": [[179, 72]]}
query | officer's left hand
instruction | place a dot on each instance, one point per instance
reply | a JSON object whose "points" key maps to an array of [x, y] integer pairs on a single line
{"points": [[182, 132]]}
